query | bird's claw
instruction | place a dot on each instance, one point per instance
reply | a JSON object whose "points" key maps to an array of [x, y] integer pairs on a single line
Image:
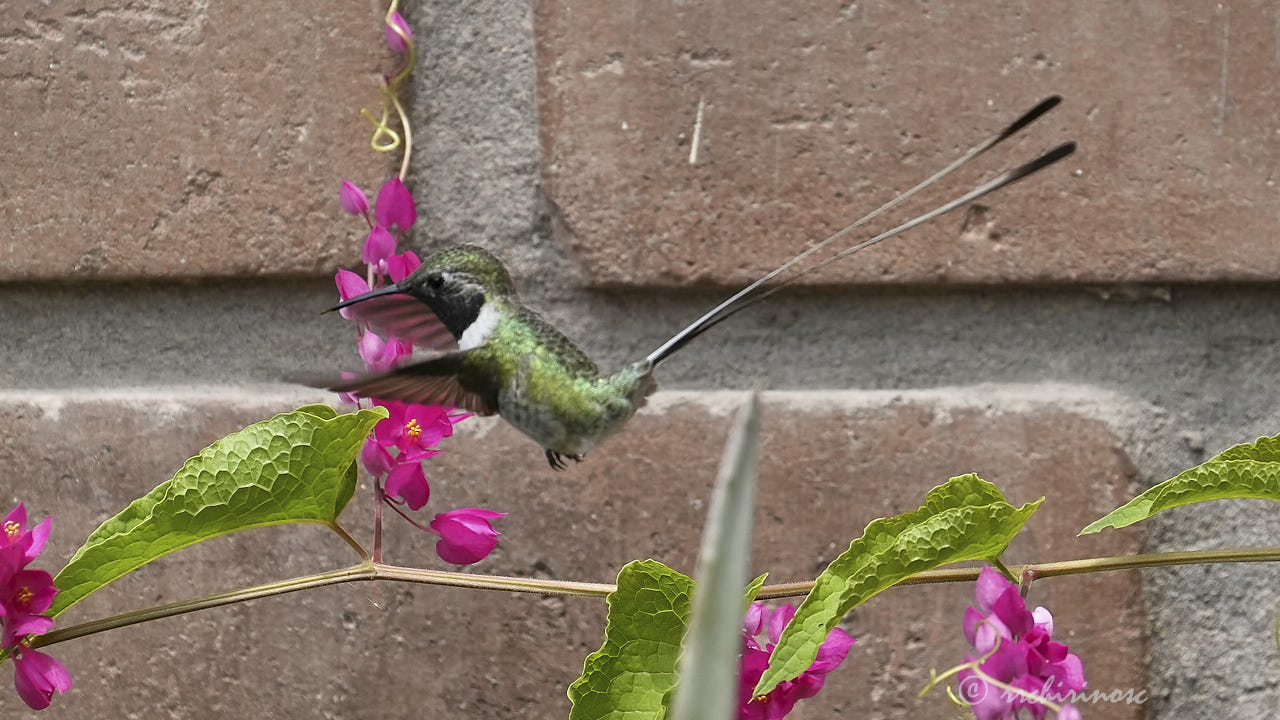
{"points": [[556, 460]]}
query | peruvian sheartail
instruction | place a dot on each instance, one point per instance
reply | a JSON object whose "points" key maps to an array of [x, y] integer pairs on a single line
{"points": [[493, 354]]}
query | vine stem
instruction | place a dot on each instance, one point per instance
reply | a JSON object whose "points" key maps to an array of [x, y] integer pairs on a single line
{"points": [[370, 571]]}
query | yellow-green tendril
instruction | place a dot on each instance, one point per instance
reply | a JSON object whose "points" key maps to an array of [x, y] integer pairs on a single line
{"points": [[385, 139], [976, 667]]}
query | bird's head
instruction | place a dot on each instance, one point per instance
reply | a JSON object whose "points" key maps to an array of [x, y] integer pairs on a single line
{"points": [[454, 283]]}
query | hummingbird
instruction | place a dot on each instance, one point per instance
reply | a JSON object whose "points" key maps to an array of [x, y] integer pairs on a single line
{"points": [[491, 354]]}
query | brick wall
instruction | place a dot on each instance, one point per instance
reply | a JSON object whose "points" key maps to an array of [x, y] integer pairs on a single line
{"points": [[168, 203]]}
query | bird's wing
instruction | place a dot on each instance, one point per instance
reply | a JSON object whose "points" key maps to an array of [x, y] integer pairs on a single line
{"points": [[404, 317], [430, 382]]}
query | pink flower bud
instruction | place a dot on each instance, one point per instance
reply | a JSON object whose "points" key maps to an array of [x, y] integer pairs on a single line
{"points": [[349, 285], [395, 206], [466, 535], [409, 483], [352, 199], [397, 42], [36, 676], [378, 246]]}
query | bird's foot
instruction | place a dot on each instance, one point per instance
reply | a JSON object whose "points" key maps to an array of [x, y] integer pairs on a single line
{"points": [[556, 460]]}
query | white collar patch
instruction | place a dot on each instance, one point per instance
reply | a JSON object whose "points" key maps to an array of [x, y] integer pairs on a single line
{"points": [[481, 328]]}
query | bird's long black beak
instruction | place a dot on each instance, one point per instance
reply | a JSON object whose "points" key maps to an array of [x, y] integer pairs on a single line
{"points": [[391, 289]]}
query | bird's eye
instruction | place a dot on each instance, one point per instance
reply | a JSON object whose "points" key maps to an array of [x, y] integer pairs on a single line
{"points": [[435, 281]]}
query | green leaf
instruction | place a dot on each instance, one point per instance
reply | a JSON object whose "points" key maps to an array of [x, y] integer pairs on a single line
{"points": [[708, 670], [965, 518], [753, 589], [629, 677], [1249, 470], [296, 467]]}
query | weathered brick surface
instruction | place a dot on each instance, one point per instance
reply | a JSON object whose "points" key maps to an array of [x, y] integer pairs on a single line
{"points": [[830, 464], [182, 139], [816, 112]]}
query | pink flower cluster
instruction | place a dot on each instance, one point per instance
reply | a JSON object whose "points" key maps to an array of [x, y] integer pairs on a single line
{"points": [[24, 595], [1016, 650], [755, 658], [411, 431]]}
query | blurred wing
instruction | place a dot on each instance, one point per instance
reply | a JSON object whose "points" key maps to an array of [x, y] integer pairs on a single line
{"points": [[406, 318], [430, 382]]}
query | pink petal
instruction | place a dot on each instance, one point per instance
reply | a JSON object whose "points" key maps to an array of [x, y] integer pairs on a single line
{"points": [[349, 285], [39, 536], [753, 621], [973, 619], [1069, 712], [987, 701], [375, 458], [346, 396], [393, 353], [808, 684], [395, 41], [400, 266], [781, 701], [17, 516], [991, 584], [388, 430], [409, 483], [1068, 675], [352, 199], [395, 206], [26, 625], [379, 246], [370, 348], [1043, 619], [832, 652], [779, 620], [476, 513], [1007, 662], [751, 667], [433, 421], [418, 454], [1011, 609]]}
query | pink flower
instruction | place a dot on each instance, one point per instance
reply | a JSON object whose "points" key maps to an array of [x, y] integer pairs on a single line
{"points": [[408, 482], [413, 428], [352, 199], [14, 533], [36, 676], [397, 42], [755, 658], [382, 355], [378, 246], [1016, 649], [395, 206], [466, 535], [23, 596]]}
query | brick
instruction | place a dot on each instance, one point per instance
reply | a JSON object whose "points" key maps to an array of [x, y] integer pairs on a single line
{"points": [[816, 112], [178, 140], [831, 463]]}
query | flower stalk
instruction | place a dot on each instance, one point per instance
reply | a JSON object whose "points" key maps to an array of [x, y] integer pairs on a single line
{"points": [[369, 571]]}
